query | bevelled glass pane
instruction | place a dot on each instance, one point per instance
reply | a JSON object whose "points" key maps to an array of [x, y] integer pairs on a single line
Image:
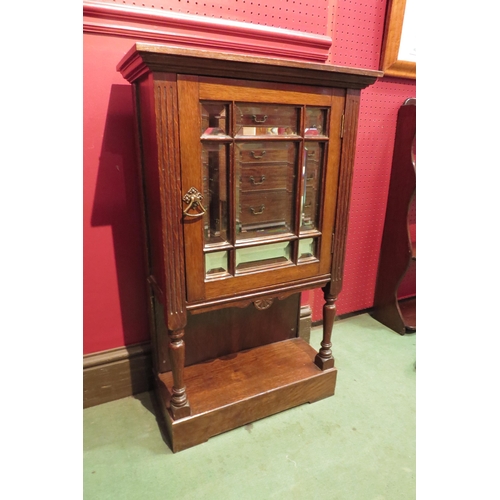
{"points": [[315, 124], [266, 119], [215, 263], [215, 197], [263, 255], [307, 249], [265, 174], [214, 119], [311, 185]]}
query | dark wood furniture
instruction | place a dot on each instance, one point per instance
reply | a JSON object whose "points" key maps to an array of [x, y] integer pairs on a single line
{"points": [[246, 169], [399, 248]]}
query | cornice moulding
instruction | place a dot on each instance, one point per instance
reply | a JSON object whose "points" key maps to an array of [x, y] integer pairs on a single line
{"points": [[144, 23]]}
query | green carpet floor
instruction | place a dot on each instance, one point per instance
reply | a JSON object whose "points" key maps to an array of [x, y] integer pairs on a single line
{"points": [[356, 445]]}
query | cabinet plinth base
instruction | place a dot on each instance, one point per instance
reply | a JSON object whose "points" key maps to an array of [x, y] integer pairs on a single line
{"points": [[235, 390]]}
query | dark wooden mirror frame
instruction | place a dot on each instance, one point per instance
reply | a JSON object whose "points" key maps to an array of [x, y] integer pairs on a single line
{"points": [[389, 62]]}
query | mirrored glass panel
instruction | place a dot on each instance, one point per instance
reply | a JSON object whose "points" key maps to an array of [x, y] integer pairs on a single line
{"points": [[263, 255], [307, 249], [265, 119], [215, 196], [315, 123], [214, 119], [311, 185], [216, 263], [265, 174]]}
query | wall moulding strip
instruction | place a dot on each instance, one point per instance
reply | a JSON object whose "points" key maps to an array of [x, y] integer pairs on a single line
{"points": [[201, 32], [116, 373]]}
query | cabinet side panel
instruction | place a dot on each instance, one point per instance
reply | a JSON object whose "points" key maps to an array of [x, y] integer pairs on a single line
{"points": [[151, 179], [344, 190], [152, 208], [167, 138], [144, 219]]}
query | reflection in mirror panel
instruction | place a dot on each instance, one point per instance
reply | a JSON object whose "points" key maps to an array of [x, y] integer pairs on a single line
{"points": [[311, 185], [307, 249], [215, 173], [265, 174], [263, 255], [214, 119], [315, 123], [266, 119], [269, 154], [215, 263]]}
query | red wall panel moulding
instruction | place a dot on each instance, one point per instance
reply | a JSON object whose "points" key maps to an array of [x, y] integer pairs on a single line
{"points": [[202, 32]]}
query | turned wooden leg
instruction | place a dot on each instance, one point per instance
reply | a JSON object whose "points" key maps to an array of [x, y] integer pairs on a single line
{"points": [[324, 358], [179, 404]]}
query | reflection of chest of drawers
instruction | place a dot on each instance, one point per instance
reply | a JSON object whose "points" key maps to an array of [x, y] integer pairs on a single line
{"points": [[263, 208], [252, 119], [246, 168], [265, 153], [308, 208], [266, 176], [313, 156]]}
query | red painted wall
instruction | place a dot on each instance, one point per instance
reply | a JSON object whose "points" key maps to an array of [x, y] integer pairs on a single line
{"points": [[114, 302], [115, 311]]}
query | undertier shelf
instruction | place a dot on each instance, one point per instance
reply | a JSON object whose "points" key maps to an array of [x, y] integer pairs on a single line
{"points": [[240, 388]]}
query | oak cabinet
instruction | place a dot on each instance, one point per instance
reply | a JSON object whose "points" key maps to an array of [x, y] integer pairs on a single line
{"points": [[246, 169]]}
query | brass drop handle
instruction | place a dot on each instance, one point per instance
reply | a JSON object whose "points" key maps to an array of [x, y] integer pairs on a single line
{"points": [[255, 212], [258, 120], [193, 199], [256, 183]]}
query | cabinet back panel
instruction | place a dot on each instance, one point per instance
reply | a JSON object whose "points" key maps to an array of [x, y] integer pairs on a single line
{"points": [[220, 333]]}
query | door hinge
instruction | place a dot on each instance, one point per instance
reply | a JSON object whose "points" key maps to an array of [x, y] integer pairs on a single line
{"points": [[342, 125]]}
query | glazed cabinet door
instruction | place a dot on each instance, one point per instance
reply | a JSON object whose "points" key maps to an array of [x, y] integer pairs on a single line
{"points": [[259, 167]]}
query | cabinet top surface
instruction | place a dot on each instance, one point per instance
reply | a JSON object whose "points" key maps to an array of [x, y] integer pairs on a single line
{"points": [[145, 58]]}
